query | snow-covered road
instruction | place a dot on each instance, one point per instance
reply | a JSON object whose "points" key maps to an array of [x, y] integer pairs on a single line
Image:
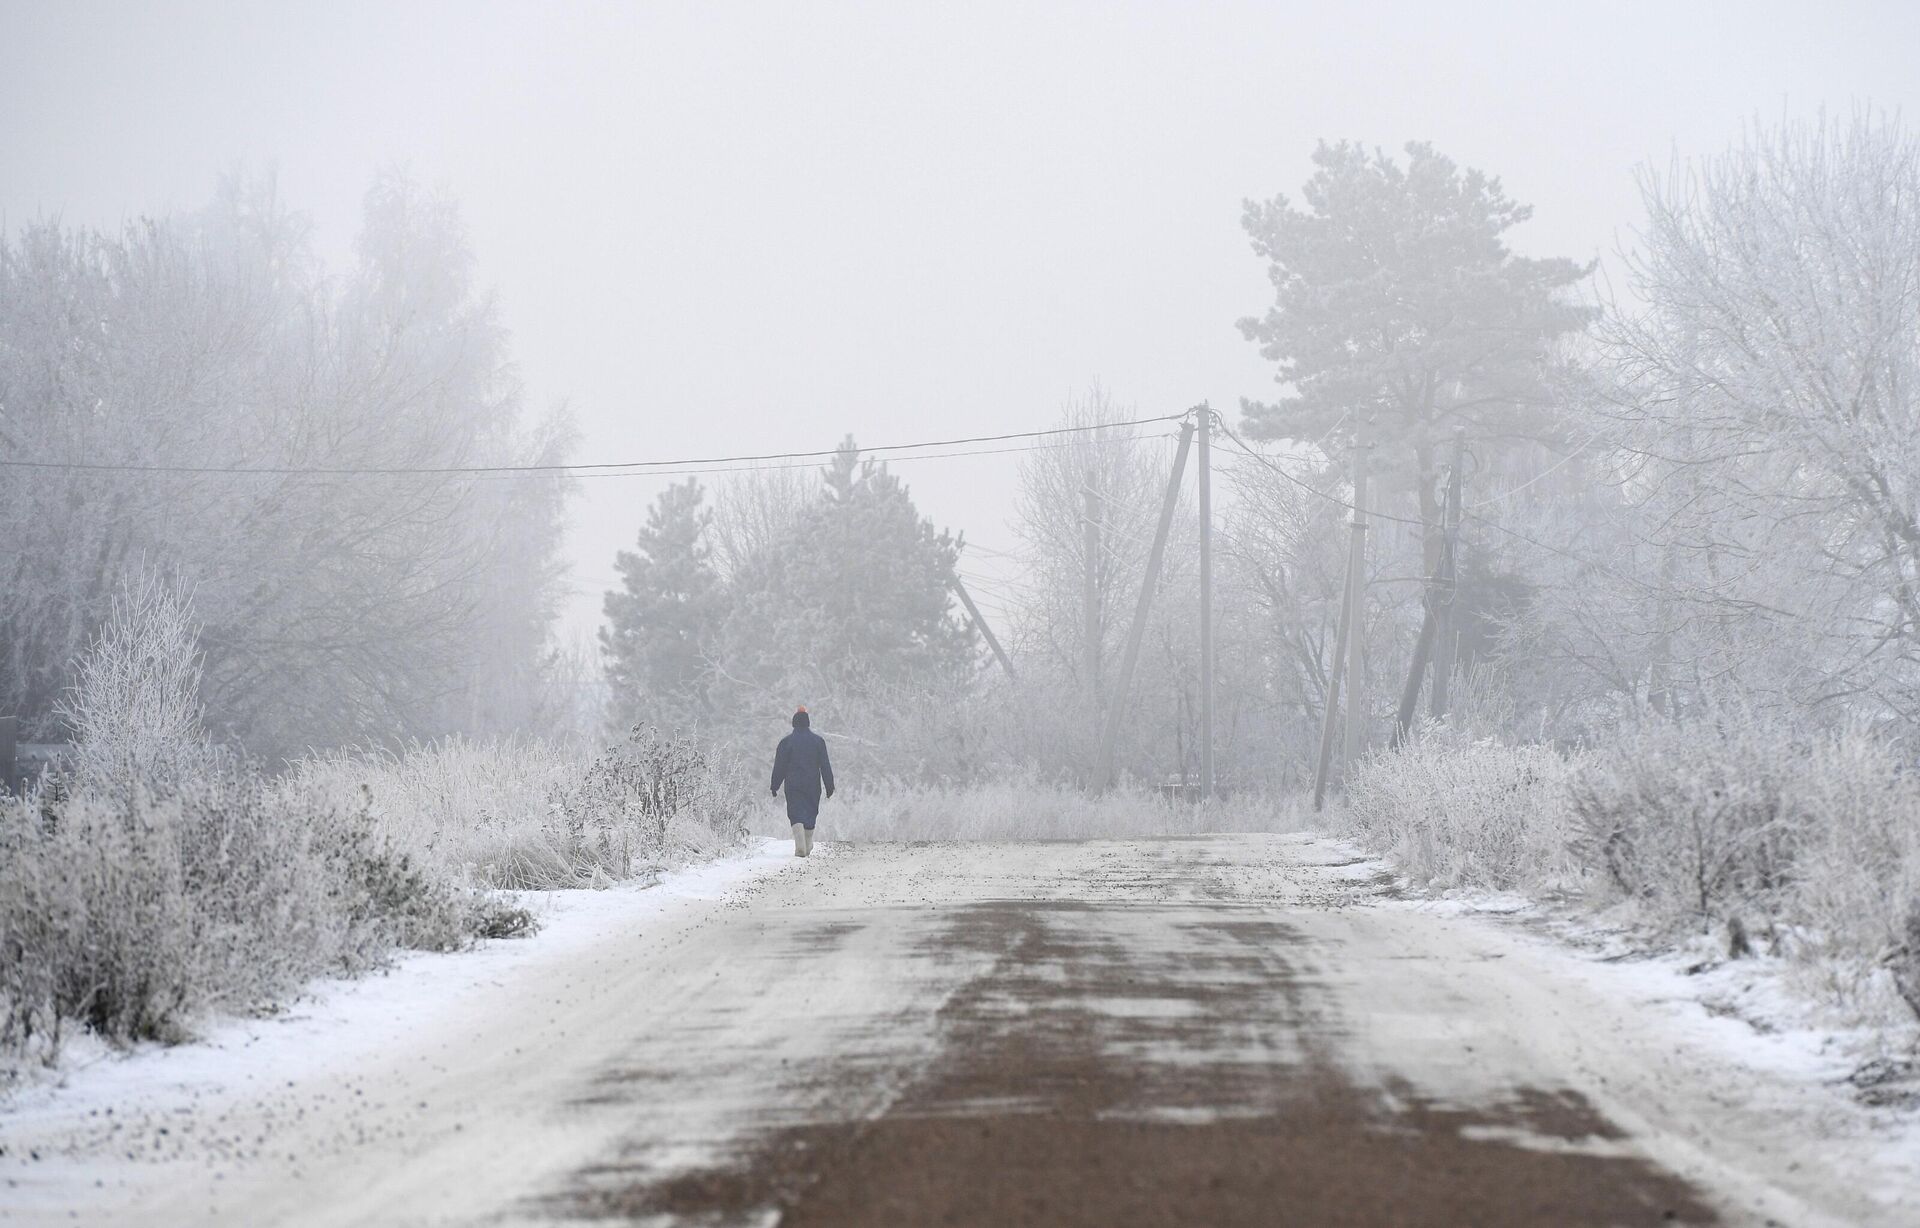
{"points": [[1243, 1029]]}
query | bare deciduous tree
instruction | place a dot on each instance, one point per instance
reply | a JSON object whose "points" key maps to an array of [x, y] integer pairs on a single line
{"points": [[206, 366], [1769, 409]]}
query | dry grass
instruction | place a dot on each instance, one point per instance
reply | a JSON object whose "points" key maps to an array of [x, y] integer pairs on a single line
{"points": [[131, 905], [160, 877], [533, 815], [1804, 845], [130, 910], [1467, 813]]}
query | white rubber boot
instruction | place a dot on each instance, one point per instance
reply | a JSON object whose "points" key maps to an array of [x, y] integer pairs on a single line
{"points": [[809, 838], [799, 840]]}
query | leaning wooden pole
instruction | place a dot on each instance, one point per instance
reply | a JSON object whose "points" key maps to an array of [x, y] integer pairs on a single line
{"points": [[986, 632], [1117, 694], [1422, 652]]}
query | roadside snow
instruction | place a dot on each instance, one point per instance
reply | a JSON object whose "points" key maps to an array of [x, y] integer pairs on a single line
{"points": [[1745, 1006], [335, 1026], [1752, 1067], [649, 1028]]}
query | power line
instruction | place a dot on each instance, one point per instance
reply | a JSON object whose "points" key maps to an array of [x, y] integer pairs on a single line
{"points": [[1492, 524], [977, 548], [1563, 462], [994, 593], [1686, 592], [684, 465], [1241, 444], [891, 460]]}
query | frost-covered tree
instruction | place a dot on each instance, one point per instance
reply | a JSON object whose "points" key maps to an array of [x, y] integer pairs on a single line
{"points": [[1058, 710], [1767, 414], [204, 365], [662, 619], [1069, 661], [754, 510], [1400, 313], [1288, 556], [853, 602], [1105, 472], [134, 705]]}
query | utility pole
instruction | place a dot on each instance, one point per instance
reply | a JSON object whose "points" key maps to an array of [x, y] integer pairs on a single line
{"points": [[1447, 597], [1357, 614], [1440, 586], [1117, 699], [1090, 593], [9, 744], [1329, 721], [1205, 415]]}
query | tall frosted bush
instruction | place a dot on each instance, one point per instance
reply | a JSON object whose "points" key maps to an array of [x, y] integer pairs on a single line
{"points": [[1467, 813], [155, 876], [131, 910], [1803, 843], [1700, 820], [528, 814]]}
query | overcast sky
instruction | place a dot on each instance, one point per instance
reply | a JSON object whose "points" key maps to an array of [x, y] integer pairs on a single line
{"points": [[756, 228]]}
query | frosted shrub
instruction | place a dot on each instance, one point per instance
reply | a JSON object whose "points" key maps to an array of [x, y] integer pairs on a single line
{"points": [[1904, 961], [157, 876], [477, 812], [129, 910], [1811, 841], [640, 796], [1853, 893], [1466, 813], [527, 814], [1699, 821]]}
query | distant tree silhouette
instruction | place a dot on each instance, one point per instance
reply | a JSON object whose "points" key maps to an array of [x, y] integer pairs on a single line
{"points": [[1398, 306], [661, 620], [855, 599]]}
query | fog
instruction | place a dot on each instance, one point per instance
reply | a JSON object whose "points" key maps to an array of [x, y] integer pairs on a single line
{"points": [[722, 228], [1077, 613]]}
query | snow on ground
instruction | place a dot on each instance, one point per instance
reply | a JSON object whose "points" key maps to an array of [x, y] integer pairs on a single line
{"points": [[1750, 1060], [335, 1020], [335, 1026], [1746, 1007], [652, 1022]]}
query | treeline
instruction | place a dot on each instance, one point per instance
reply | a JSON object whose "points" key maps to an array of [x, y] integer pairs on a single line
{"points": [[825, 587], [1690, 489], [1687, 490], [1685, 618], [828, 587], [168, 379]]}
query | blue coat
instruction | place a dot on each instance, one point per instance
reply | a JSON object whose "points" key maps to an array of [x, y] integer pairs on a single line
{"points": [[801, 764]]}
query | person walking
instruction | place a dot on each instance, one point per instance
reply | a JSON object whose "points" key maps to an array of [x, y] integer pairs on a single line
{"points": [[801, 764]]}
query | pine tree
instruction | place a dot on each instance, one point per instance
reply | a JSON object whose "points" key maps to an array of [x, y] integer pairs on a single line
{"points": [[661, 621], [1397, 303], [855, 601]]}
